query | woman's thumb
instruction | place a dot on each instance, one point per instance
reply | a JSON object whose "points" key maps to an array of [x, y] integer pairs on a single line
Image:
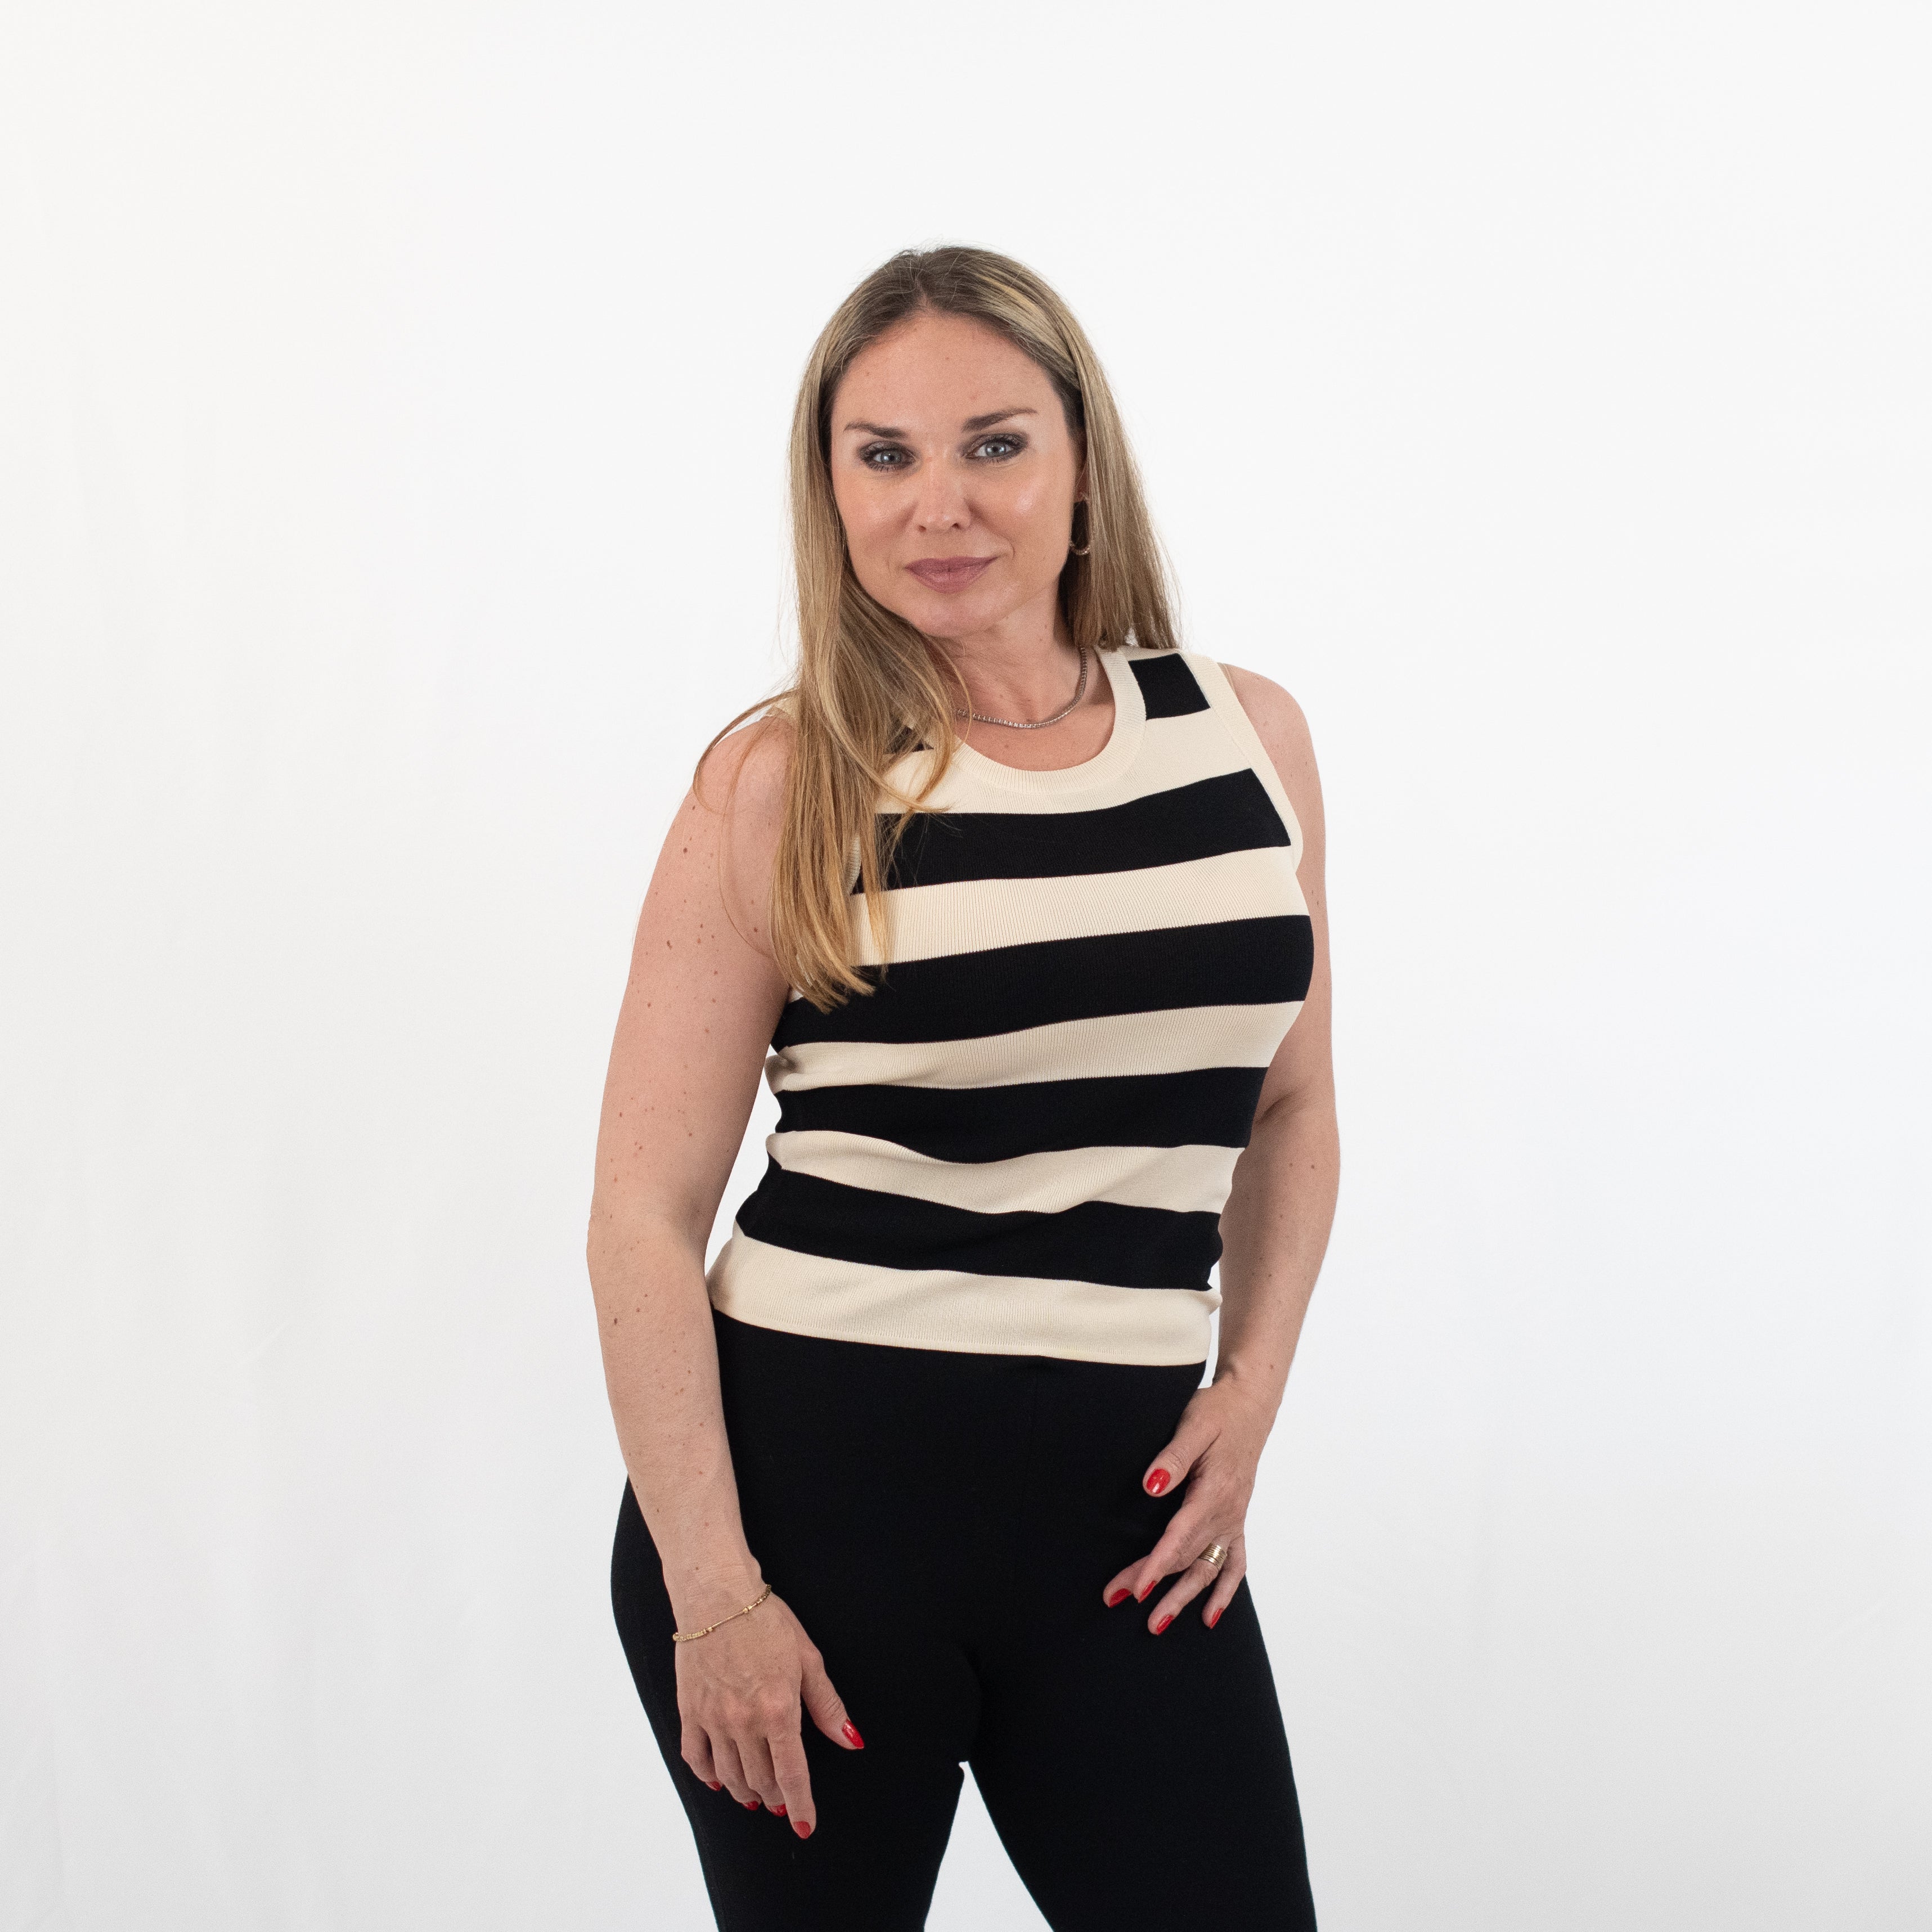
{"points": [[1171, 1465], [827, 1707]]}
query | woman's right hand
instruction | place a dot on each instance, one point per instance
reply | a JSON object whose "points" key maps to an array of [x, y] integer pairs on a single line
{"points": [[739, 1693]]}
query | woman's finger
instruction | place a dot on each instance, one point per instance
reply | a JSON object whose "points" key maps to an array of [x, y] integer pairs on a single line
{"points": [[1197, 1522], [694, 1747], [1189, 1585], [1138, 1581], [724, 1756], [1192, 1529], [794, 1779], [827, 1707], [755, 1755], [1229, 1582], [1169, 1469]]}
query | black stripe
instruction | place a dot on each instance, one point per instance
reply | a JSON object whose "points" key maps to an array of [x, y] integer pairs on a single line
{"points": [[1168, 688], [964, 995], [1230, 813], [1095, 1240], [1213, 1106]]}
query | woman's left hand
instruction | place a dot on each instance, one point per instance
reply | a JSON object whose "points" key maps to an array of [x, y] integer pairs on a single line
{"points": [[1215, 1451]]}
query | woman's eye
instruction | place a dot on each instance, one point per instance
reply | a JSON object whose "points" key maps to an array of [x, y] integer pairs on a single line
{"points": [[1000, 447], [883, 456]]}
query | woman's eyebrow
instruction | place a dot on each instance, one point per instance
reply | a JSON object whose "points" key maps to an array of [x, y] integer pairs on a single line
{"points": [[971, 423]]}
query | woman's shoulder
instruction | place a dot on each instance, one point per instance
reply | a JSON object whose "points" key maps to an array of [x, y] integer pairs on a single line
{"points": [[733, 818], [745, 769], [1271, 708], [1282, 727]]}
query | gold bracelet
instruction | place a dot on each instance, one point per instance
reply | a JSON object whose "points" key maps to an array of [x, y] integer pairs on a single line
{"points": [[691, 1637]]}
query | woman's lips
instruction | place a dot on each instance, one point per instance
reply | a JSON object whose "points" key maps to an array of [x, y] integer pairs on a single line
{"points": [[948, 573]]}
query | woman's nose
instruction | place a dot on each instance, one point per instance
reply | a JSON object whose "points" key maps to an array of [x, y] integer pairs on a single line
{"points": [[942, 502]]}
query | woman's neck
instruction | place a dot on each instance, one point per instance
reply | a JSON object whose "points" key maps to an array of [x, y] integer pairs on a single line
{"points": [[1024, 667]]}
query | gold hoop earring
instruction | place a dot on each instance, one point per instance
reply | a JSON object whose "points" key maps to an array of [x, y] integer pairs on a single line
{"points": [[1085, 549]]}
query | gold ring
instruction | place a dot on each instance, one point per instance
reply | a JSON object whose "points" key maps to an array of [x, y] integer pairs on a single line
{"points": [[1215, 1554]]}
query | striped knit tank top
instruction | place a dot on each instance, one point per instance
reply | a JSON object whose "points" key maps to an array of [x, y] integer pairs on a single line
{"points": [[1021, 1141]]}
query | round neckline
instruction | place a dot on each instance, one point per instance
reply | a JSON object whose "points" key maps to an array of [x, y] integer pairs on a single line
{"points": [[1113, 756]]}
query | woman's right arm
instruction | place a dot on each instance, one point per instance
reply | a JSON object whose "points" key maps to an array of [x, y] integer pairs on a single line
{"points": [[703, 997]]}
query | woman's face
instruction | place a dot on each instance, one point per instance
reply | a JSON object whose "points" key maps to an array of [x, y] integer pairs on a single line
{"points": [[955, 475]]}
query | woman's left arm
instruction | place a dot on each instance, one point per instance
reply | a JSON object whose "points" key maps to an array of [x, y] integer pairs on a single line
{"points": [[1274, 1230]]}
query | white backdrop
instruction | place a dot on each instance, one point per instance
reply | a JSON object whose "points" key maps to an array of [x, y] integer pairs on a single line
{"points": [[391, 441]]}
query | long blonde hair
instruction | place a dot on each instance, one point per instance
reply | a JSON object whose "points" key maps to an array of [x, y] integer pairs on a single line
{"points": [[868, 688]]}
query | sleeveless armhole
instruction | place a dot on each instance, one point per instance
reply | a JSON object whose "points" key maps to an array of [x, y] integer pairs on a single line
{"points": [[1233, 714]]}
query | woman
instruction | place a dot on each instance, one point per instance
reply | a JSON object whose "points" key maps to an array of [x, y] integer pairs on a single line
{"points": [[1026, 904]]}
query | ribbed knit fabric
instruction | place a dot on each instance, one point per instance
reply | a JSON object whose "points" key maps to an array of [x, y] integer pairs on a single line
{"points": [[1020, 1142]]}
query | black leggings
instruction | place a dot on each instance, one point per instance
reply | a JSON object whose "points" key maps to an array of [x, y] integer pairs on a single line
{"points": [[942, 1524]]}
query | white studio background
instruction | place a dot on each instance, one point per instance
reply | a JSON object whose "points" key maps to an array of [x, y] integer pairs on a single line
{"points": [[392, 423]]}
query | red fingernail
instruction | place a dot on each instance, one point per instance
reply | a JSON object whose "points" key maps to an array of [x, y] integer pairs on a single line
{"points": [[1146, 1590], [803, 1829], [751, 1804], [1163, 1624], [852, 1736], [1158, 1482], [1120, 1596], [1213, 1618], [778, 1811], [714, 1784]]}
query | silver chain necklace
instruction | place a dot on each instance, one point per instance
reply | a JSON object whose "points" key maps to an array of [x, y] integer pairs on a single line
{"points": [[1035, 724]]}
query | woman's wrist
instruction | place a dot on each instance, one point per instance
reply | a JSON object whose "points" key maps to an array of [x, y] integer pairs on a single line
{"points": [[703, 1590], [708, 1565], [1259, 1390]]}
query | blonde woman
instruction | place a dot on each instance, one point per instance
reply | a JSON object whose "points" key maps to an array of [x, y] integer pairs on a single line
{"points": [[1024, 904]]}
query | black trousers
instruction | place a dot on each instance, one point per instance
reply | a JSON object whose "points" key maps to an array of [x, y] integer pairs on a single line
{"points": [[943, 1524]]}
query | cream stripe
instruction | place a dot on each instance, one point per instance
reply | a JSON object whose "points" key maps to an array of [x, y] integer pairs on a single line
{"points": [[944, 921], [1182, 1180], [1176, 1039], [1174, 752], [942, 1308]]}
